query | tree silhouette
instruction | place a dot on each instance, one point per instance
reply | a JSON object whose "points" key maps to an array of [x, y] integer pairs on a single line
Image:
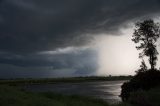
{"points": [[146, 34], [143, 67]]}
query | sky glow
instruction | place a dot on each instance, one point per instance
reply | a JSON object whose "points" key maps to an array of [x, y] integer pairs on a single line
{"points": [[59, 38]]}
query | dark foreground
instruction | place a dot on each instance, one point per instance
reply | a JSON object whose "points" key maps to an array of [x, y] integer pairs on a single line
{"points": [[13, 96]]}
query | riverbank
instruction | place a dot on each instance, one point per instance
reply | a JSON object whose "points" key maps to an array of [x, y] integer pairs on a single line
{"points": [[14, 96], [107, 90], [62, 80]]}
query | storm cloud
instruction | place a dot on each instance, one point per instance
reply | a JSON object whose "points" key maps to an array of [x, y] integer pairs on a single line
{"points": [[62, 62], [37, 25], [35, 33]]}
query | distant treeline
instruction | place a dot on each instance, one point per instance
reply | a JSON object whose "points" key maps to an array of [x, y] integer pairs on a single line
{"points": [[62, 80]]}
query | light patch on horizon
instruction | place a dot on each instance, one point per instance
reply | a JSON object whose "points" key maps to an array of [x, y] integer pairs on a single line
{"points": [[117, 54]]}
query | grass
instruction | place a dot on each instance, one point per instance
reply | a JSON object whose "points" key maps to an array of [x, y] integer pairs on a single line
{"points": [[121, 104], [11, 96], [15, 96]]}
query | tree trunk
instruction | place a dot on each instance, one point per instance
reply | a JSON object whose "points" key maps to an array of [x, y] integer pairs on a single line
{"points": [[151, 61]]}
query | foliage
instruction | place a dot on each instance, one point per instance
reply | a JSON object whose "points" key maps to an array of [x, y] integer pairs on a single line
{"points": [[143, 67], [146, 98], [141, 81], [146, 34]]}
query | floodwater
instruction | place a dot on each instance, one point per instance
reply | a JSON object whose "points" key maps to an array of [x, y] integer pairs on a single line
{"points": [[106, 90]]}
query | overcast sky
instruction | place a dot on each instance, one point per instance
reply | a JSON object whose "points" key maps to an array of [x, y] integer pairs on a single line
{"points": [[62, 38]]}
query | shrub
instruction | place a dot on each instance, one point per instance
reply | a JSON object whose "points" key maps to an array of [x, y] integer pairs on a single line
{"points": [[142, 80]]}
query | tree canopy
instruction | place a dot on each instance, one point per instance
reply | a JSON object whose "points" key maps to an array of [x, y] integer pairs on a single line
{"points": [[146, 34]]}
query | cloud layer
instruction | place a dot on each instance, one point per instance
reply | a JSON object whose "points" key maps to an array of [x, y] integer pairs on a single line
{"points": [[35, 25], [62, 62], [52, 33]]}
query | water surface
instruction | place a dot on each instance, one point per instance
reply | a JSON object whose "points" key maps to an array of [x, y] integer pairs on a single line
{"points": [[106, 90]]}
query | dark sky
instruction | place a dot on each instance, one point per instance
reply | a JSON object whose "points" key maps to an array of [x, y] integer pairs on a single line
{"points": [[49, 38]]}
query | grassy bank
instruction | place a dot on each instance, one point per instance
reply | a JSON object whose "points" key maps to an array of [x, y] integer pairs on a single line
{"points": [[11, 96], [14, 96], [63, 80]]}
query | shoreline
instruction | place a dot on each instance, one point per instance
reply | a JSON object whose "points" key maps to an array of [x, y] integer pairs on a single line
{"points": [[61, 80], [15, 96]]}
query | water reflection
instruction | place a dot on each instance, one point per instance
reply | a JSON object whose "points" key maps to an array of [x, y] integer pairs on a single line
{"points": [[106, 90]]}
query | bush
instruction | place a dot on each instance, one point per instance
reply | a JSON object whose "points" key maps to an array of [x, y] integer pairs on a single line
{"points": [[145, 98], [142, 80], [139, 98]]}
